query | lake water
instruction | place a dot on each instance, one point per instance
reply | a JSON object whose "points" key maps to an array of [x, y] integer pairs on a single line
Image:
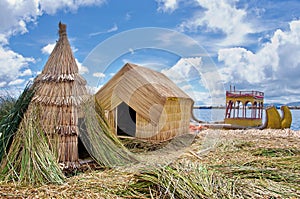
{"points": [[210, 115]]}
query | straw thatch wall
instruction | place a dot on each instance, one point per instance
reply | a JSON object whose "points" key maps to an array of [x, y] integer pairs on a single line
{"points": [[59, 92], [162, 109]]}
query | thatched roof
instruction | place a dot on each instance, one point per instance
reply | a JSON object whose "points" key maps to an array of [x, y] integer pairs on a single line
{"points": [[60, 90], [60, 83], [144, 90]]}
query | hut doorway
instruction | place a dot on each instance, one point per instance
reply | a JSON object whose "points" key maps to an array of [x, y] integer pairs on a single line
{"points": [[126, 120], [82, 151]]}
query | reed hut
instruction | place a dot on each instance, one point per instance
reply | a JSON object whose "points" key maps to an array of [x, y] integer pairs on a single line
{"points": [[60, 90], [145, 104]]}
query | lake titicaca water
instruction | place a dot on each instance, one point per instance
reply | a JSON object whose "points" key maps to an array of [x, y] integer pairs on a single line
{"points": [[210, 115]]}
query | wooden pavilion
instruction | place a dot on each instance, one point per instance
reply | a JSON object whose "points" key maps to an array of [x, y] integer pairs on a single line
{"points": [[244, 108]]}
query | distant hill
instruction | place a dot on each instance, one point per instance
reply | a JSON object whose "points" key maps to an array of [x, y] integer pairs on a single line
{"points": [[293, 104], [273, 104]]}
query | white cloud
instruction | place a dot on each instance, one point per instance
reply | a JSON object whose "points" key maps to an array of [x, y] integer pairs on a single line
{"points": [[186, 87], [127, 16], [131, 51], [16, 82], [241, 66], [2, 84], [220, 15], [17, 15], [48, 48], [201, 81], [82, 69], [167, 5], [184, 70], [74, 49], [99, 75], [112, 29], [51, 7], [11, 64], [26, 72], [3, 39], [199, 96], [275, 68], [93, 90]]}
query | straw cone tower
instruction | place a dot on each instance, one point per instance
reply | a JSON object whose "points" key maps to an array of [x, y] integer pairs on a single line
{"points": [[60, 91]]}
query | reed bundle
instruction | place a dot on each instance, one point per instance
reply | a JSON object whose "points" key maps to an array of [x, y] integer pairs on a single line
{"points": [[11, 116], [100, 142], [183, 180], [29, 159]]}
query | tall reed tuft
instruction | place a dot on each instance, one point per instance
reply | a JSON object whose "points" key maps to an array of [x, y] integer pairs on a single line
{"points": [[29, 159], [11, 116]]}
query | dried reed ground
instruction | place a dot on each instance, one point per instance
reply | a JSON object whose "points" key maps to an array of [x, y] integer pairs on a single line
{"points": [[263, 164]]}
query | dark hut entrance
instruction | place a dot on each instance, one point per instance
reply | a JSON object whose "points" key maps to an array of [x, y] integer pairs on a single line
{"points": [[126, 120], [82, 151]]}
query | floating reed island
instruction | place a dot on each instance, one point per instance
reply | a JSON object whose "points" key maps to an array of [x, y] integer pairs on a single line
{"points": [[132, 139]]}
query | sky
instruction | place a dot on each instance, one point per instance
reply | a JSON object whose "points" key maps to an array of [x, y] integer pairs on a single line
{"points": [[204, 46]]}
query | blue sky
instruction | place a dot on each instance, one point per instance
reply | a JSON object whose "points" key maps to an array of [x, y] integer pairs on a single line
{"points": [[202, 45]]}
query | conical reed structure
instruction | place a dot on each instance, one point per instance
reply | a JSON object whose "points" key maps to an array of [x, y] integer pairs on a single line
{"points": [[60, 90]]}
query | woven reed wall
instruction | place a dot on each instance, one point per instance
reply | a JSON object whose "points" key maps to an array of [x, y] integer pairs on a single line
{"points": [[142, 102], [60, 124], [111, 120], [174, 121]]}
